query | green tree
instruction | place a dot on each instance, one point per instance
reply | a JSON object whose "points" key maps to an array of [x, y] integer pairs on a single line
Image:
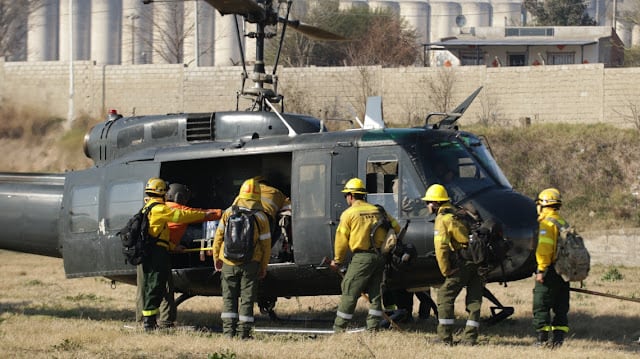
{"points": [[376, 37], [559, 12]]}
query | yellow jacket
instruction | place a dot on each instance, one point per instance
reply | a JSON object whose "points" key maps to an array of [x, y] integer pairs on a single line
{"points": [[547, 238], [272, 200], [161, 215], [354, 230], [449, 235], [261, 236]]}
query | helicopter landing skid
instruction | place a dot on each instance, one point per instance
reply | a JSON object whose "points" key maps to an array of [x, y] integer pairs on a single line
{"points": [[498, 312]]}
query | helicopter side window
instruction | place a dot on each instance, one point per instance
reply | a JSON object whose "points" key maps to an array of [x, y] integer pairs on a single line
{"points": [[84, 209], [381, 182], [312, 186], [121, 198]]}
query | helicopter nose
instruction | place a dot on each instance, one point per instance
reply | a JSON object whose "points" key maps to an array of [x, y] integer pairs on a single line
{"points": [[517, 215]]}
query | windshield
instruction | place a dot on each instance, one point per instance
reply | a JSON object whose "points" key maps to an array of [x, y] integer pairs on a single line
{"points": [[461, 163]]}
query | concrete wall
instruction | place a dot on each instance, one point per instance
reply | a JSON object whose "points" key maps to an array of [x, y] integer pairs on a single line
{"points": [[572, 94], [614, 247]]}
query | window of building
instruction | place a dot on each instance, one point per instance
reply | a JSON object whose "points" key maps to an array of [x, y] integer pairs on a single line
{"points": [[471, 57], [516, 59], [561, 58]]}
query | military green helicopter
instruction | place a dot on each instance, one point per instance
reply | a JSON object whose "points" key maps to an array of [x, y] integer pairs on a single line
{"points": [[76, 215]]}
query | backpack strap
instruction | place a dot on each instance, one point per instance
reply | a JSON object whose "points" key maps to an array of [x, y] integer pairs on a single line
{"points": [[383, 221], [145, 211]]}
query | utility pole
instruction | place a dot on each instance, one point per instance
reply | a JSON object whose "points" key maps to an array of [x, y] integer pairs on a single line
{"points": [[71, 114]]}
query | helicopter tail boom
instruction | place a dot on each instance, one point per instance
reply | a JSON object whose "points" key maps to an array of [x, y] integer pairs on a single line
{"points": [[30, 207]]}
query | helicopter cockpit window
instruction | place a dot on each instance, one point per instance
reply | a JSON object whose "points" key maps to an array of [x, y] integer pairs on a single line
{"points": [[483, 155], [84, 209], [122, 197], [382, 176], [456, 164]]}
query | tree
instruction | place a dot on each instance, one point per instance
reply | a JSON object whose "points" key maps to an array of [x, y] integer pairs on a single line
{"points": [[14, 26], [559, 12], [376, 37], [169, 30]]}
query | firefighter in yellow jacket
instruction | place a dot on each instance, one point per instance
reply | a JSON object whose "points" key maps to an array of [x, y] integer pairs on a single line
{"points": [[450, 235], [156, 267], [551, 292], [365, 271], [239, 278]]}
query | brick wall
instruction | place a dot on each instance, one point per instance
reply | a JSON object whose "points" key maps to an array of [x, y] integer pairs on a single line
{"points": [[573, 94]]}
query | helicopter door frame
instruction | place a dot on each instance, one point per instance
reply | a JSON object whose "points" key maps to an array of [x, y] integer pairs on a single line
{"points": [[100, 202], [318, 177]]}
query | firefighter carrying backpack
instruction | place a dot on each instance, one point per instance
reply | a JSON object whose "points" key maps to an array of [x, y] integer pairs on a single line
{"points": [[135, 237], [238, 234], [573, 261]]}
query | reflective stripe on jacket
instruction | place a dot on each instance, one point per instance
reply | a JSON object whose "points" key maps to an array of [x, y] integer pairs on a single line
{"points": [[547, 238]]}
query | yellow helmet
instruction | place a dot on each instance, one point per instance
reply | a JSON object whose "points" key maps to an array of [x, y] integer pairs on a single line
{"points": [[156, 186], [436, 193], [549, 197], [354, 185], [250, 189]]}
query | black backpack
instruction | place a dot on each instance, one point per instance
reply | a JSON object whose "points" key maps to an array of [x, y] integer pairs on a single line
{"points": [[238, 234], [487, 247], [135, 237]]}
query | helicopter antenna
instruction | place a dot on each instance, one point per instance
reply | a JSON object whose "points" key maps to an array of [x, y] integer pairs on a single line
{"points": [[451, 117]]}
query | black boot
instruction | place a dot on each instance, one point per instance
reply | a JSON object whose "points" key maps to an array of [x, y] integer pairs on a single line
{"points": [[558, 339], [150, 323], [543, 337]]}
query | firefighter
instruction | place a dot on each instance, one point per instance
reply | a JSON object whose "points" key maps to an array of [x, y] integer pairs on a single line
{"points": [[156, 267], [365, 271], [450, 235], [551, 292], [239, 279], [177, 196]]}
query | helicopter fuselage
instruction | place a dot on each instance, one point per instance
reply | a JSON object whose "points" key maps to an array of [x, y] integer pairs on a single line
{"points": [[76, 215]]}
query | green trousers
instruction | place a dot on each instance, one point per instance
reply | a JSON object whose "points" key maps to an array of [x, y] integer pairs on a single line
{"points": [[552, 295], [168, 311], [467, 277], [156, 268], [364, 275], [239, 283]]}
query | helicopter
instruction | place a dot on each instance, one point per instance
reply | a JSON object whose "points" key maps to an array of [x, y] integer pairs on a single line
{"points": [[76, 215]]}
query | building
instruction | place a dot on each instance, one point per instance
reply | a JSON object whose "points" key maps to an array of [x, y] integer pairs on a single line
{"points": [[192, 32], [530, 46]]}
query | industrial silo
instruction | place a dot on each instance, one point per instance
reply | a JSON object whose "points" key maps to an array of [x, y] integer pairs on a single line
{"points": [[106, 24], [42, 38]]}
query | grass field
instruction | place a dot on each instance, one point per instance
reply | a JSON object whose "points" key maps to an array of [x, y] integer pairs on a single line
{"points": [[44, 315]]}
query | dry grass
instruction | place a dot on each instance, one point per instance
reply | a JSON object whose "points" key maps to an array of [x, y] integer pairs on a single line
{"points": [[44, 315]]}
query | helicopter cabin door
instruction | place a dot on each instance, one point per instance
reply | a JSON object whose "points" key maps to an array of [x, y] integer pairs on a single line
{"points": [[98, 202], [318, 178]]}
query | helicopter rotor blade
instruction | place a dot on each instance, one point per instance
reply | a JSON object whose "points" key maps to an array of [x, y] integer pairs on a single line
{"points": [[313, 32], [247, 8]]}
